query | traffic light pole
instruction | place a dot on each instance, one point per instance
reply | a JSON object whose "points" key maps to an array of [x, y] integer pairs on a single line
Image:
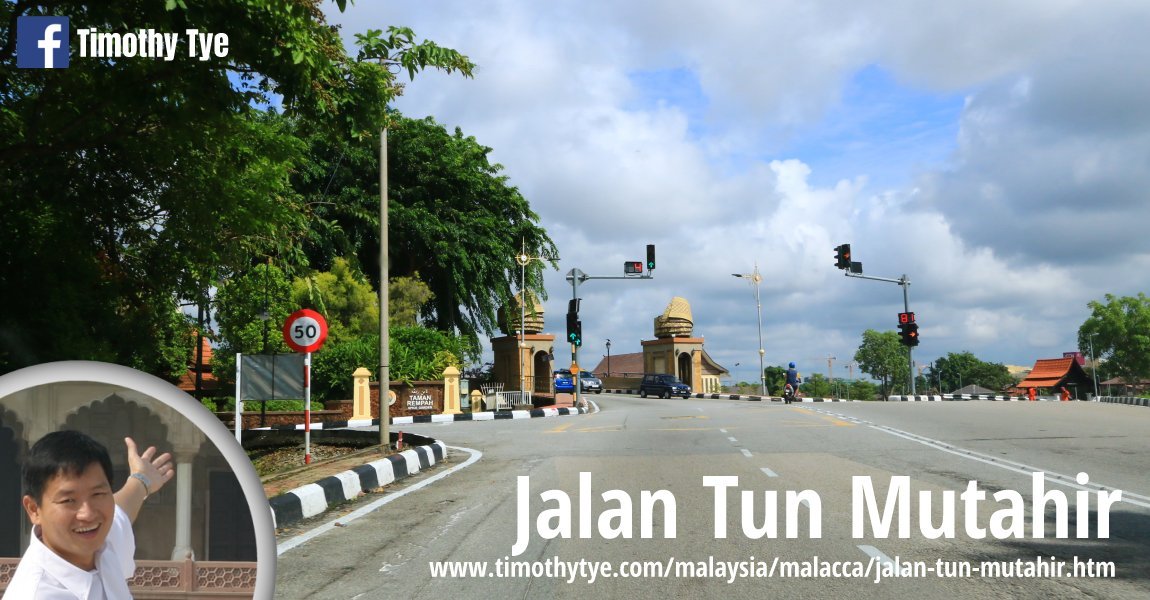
{"points": [[575, 276], [905, 283]]}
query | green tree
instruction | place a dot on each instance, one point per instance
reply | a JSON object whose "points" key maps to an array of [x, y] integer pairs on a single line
{"points": [[343, 296], [407, 295], [776, 379], [455, 222], [816, 385], [957, 370], [882, 357], [1120, 331], [134, 183], [861, 389], [417, 354]]}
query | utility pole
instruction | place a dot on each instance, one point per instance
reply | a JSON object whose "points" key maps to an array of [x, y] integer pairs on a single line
{"points": [[384, 292], [575, 276], [903, 281]]}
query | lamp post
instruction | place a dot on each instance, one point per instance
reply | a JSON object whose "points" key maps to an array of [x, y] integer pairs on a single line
{"points": [[1093, 365], [755, 278], [523, 259], [608, 357]]}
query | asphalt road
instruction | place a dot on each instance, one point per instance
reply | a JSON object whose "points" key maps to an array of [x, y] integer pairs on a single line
{"points": [[811, 459]]}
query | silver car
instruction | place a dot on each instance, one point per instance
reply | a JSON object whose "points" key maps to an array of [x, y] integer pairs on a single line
{"points": [[590, 382]]}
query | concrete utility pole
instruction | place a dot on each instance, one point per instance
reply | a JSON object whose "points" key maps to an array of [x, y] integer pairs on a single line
{"points": [[384, 292]]}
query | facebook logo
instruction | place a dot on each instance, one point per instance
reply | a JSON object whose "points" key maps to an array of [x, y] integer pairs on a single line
{"points": [[42, 42]]}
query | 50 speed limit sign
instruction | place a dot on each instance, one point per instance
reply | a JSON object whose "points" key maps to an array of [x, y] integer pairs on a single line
{"points": [[305, 330]]}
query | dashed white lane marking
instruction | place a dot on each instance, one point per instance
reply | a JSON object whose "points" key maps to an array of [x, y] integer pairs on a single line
{"points": [[732, 439], [722, 431], [768, 472], [875, 553], [746, 453]]}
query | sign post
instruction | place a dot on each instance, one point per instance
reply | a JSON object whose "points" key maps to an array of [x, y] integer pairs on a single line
{"points": [[305, 331]]}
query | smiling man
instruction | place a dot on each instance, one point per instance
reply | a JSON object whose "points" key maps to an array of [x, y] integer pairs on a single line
{"points": [[82, 542]]}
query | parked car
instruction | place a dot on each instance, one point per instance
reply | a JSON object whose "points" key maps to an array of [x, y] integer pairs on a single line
{"points": [[663, 386], [564, 383], [590, 383]]}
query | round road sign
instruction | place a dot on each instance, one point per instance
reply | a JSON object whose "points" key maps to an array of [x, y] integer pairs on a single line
{"points": [[305, 330]]}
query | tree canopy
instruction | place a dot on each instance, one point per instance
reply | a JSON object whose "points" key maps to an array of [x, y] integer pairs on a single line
{"points": [[1118, 331], [455, 221], [882, 357], [956, 370], [130, 184]]}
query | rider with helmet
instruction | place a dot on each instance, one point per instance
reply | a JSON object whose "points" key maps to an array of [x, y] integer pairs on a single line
{"points": [[793, 381]]}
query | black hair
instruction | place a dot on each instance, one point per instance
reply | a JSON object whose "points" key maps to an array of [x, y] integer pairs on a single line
{"points": [[68, 452]]}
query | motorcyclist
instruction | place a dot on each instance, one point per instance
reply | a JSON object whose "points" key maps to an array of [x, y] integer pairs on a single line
{"points": [[793, 381]]}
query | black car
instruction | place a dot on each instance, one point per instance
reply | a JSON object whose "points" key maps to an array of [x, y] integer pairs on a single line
{"points": [[663, 386]]}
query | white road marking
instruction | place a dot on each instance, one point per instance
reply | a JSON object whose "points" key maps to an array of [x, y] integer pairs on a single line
{"points": [[1051, 476], [768, 472], [732, 439], [746, 453], [875, 553]]}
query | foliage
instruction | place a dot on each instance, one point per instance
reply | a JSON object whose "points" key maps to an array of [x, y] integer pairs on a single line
{"points": [[816, 386], [861, 389], [343, 297], [1120, 330], [406, 297], [454, 222], [417, 354], [134, 183], [882, 357], [776, 379], [956, 370]]}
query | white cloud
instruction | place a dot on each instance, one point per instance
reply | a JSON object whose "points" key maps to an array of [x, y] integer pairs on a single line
{"points": [[1040, 208]]}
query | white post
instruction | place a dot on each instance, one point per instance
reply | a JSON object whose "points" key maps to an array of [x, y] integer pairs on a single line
{"points": [[239, 400]]}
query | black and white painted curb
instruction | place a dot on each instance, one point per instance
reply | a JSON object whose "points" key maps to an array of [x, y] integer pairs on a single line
{"points": [[479, 416], [961, 397], [750, 397], [314, 498], [1125, 400]]}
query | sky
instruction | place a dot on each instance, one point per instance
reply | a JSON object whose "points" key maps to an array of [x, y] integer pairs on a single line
{"points": [[995, 153]]}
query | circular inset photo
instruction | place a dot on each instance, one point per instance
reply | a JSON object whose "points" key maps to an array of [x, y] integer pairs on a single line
{"points": [[115, 480]]}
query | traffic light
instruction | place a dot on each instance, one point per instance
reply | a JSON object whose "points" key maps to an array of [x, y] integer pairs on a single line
{"points": [[632, 267], [843, 256], [650, 257], [574, 329], [574, 325], [907, 329]]}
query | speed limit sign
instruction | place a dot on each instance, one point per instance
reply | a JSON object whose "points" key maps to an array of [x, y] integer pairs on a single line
{"points": [[305, 330]]}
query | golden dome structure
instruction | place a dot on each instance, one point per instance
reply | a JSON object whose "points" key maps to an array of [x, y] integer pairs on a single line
{"points": [[676, 320], [510, 312]]}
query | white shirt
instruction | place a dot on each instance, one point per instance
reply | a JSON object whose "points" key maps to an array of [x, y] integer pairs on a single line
{"points": [[43, 575]]}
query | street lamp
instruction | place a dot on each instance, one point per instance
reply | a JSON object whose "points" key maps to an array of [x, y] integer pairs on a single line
{"points": [[608, 357], [1093, 365], [523, 259], [755, 278]]}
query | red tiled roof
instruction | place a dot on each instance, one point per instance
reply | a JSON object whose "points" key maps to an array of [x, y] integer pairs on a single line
{"points": [[187, 381], [1048, 372], [621, 364]]}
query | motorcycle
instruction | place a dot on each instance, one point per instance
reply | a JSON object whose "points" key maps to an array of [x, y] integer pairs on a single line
{"points": [[789, 394]]}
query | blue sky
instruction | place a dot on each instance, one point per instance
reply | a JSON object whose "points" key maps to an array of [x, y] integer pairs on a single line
{"points": [[993, 152]]}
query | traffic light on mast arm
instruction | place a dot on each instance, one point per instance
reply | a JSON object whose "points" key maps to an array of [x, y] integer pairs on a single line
{"points": [[908, 331], [574, 329], [650, 257], [843, 256]]}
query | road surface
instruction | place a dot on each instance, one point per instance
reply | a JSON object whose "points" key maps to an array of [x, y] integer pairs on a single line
{"points": [[814, 481]]}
